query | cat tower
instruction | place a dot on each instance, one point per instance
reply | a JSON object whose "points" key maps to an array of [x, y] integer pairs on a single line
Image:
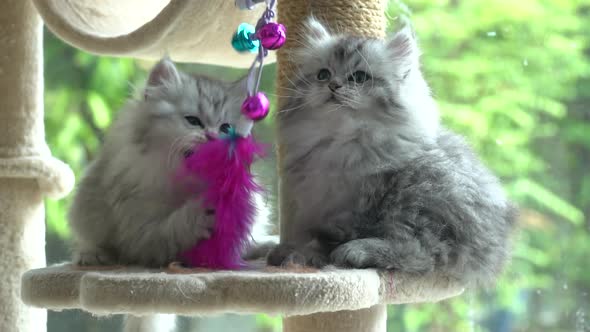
{"points": [[190, 31]]}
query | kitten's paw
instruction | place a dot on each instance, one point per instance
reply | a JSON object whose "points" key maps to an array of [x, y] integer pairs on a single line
{"points": [[94, 258], [355, 254], [285, 255], [383, 254], [206, 225], [204, 232]]}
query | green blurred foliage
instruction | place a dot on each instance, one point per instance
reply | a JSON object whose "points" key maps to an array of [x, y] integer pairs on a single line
{"points": [[513, 77], [269, 323]]}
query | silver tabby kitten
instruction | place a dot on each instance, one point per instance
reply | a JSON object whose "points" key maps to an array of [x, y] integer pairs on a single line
{"points": [[126, 209], [376, 182]]}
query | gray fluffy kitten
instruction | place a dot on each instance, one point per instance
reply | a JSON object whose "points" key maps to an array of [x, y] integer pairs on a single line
{"points": [[375, 181], [126, 209]]}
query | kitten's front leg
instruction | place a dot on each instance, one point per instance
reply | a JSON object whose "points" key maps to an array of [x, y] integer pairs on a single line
{"points": [[330, 234], [192, 223], [405, 256], [206, 223], [183, 228]]}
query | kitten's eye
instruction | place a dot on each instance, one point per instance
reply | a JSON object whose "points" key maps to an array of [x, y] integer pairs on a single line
{"points": [[194, 121], [324, 75], [359, 76], [225, 128]]}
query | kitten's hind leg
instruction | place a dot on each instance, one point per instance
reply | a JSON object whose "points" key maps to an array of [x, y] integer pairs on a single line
{"points": [[256, 251], [284, 254], [93, 257], [408, 256], [311, 254]]}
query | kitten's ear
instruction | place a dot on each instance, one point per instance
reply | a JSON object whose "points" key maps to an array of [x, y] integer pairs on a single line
{"points": [[404, 51], [164, 73], [242, 84], [240, 87], [314, 30]]}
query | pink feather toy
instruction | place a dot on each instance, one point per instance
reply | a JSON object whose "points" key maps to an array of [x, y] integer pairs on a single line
{"points": [[223, 163]]}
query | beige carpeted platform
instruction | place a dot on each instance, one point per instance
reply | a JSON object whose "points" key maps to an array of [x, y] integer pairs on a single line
{"points": [[294, 291]]}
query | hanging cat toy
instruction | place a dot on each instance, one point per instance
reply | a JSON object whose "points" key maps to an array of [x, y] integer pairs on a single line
{"points": [[223, 163]]}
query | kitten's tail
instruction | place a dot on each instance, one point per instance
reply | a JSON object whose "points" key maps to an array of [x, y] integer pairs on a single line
{"points": [[150, 323], [257, 250], [262, 242]]}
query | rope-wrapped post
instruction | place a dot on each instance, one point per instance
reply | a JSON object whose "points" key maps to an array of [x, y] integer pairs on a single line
{"points": [[357, 17], [22, 224]]}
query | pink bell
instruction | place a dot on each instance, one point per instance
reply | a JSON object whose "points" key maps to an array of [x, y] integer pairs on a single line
{"points": [[272, 35], [256, 107]]}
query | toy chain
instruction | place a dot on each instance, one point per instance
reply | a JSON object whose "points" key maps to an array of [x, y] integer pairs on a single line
{"points": [[266, 35]]}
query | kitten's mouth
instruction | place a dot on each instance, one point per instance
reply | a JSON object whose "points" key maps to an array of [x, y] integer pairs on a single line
{"points": [[333, 99], [188, 153]]}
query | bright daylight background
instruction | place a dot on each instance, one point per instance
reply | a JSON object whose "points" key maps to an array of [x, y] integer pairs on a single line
{"points": [[512, 76]]}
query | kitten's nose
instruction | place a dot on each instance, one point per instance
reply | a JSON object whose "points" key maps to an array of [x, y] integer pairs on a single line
{"points": [[334, 86]]}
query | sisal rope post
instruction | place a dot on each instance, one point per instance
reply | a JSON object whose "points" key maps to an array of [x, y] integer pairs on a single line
{"points": [[22, 219], [357, 17]]}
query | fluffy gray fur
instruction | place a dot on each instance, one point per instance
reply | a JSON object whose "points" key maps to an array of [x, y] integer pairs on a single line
{"points": [[127, 209], [375, 181]]}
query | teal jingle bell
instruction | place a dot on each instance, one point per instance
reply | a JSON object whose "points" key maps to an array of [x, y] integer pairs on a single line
{"points": [[242, 40]]}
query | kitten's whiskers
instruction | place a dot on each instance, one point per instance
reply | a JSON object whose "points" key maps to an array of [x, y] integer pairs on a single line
{"points": [[349, 101], [174, 149], [179, 147], [307, 103], [301, 92], [368, 67], [293, 83]]}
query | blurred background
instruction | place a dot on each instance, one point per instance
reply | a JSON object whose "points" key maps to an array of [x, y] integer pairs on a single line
{"points": [[512, 76]]}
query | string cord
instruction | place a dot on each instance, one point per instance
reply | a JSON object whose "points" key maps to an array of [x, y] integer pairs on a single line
{"points": [[254, 77], [255, 72]]}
